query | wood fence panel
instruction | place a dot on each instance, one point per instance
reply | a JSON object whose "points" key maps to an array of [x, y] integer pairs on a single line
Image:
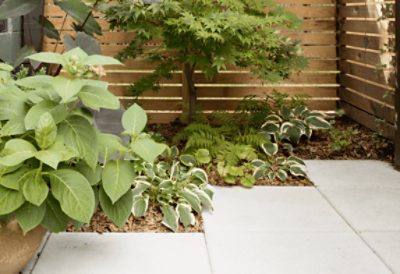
{"points": [[367, 63], [318, 81]]}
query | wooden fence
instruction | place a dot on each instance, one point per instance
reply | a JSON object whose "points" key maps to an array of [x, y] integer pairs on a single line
{"points": [[318, 81], [367, 63]]}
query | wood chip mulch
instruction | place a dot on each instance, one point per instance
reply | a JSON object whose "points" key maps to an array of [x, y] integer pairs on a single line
{"points": [[100, 223]]}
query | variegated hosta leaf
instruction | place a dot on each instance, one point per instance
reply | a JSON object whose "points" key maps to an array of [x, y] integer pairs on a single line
{"points": [[270, 148], [298, 170], [274, 118], [271, 127], [140, 187], [188, 160], [192, 199], [257, 163], [259, 172], [140, 205], [205, 199], [170, 218], [208, 189], [46, 131], [186, 217], [316, 122], [295, 160], [282, 175], [200, 174]]}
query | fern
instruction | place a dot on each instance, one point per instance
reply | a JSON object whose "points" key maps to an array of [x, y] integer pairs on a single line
{"points": [[253, 137]]}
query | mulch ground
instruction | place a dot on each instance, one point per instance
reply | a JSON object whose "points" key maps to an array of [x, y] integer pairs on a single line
{"points": [[100, 223], [364, 144]]}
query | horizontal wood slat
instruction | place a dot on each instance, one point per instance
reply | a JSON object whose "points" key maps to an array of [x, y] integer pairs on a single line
{"points": [[318, 81]]}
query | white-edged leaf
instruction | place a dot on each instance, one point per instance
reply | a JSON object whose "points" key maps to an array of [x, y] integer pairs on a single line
{"points": [[185, 214], [170, 218], [270, 148], [140, 205]]}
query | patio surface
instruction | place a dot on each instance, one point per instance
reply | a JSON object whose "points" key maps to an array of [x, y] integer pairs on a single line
{"points": [[349, 223]]}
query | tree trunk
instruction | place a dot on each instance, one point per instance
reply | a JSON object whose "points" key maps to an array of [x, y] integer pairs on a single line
{"points": [[189, 94]]}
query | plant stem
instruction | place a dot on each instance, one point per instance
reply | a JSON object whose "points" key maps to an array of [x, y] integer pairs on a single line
{"points": [[189, 93]]}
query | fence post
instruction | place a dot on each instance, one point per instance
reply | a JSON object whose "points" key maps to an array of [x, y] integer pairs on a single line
{"points": [[397, 92]]}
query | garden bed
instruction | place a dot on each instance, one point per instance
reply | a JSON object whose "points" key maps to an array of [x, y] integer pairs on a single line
{"points": [[152, 222]]}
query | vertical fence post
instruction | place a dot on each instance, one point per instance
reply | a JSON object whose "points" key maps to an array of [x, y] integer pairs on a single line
{"points": [[397, 92]]}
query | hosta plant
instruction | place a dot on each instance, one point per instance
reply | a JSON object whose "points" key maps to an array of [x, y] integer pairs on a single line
{"points": [[278, 167], [177, 188], [290, 124], [49, 148]]}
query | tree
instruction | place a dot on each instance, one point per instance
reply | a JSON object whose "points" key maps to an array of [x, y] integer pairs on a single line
{"points": [[207, 35]]}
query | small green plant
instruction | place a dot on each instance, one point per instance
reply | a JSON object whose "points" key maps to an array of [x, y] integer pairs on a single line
{"points": [[341, 139], [275, 167], [176, 187], [290, 124]]}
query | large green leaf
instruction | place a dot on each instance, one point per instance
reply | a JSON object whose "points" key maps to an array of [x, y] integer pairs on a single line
{"points": [[13, 180], [170, 219], [79, 11], [30, 216], [118, 212], [47, 57], [55, 154], [14, 126], [74, 193], [16, 151], [46, 131], [93, 176], [147, 149], [11, 109], [55, 219], [16, 8], [67, 88], [79, 134], [134, 119], [57, 111], [34, 188], [10, 200], [109, 146], [95, 98], [101, 60], [117, 178]]}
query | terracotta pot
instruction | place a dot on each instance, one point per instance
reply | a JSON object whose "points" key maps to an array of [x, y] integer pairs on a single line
{"points": [[16, 250]]}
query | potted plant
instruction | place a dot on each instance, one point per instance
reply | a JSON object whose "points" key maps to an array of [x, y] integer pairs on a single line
{"points": [[50, 174]]}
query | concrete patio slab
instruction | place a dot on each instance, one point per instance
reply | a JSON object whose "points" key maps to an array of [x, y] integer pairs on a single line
{"points": [[387, 245], [272, 209], [144, 253], [353, 174], [367, 209], [291, 252]]}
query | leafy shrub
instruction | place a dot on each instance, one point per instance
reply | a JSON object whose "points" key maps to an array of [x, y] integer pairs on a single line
{"points": [[178, 188], [49, 169], [341, 139]]}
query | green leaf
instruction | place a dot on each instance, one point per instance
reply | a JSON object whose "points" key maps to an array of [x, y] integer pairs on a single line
{"points": [[200, 174], [170, 218], [16, 8], [48, 28], [10, 200], [140, 187], [205, 199], [12, 109], [118, 212], [80, 12], [192, 199], [134, 119], [188, 160], [55, 154], [57, 111], [282, 175], [109, 146], [203, 156], [101, 60], [16, 151], [96, 98], [67, 88], [298, 170], [185, 214], [47, 57], [55, 219], [270, 148], [84, 41], [46, 131], [147, 149], [316, 122], [74, 193], [117, 178], [140, 205], [259, 172], [247, 180], [12, 180], [30, 216], [14, 126], [34, 188], [80, 135], [93, 176]]}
